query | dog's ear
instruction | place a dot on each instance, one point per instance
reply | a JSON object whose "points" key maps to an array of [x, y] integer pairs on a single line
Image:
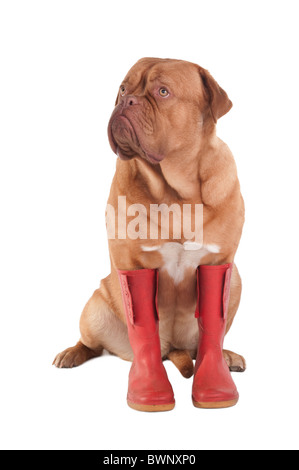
{"points": [[217, 98]]}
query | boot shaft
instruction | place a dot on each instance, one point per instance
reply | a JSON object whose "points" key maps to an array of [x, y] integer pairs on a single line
{"points": [[213, 289], [139, 290], [139, 294]]}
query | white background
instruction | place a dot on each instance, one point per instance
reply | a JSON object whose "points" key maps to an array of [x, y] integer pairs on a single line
{"points": [[61, 65]]}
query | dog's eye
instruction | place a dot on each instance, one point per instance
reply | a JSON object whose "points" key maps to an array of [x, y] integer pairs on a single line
{"points": [[163, 92], [122, 90]]}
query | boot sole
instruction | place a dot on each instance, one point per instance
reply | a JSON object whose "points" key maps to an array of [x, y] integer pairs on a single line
{"points": [[216, 404], [151, 408]]}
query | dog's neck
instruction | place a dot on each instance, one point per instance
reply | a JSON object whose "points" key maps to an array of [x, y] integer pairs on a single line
{"points": [[183, 175], [182, 172]]}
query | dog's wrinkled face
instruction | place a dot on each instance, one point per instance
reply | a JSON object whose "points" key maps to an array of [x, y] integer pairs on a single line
{"points": [[162, 107]]}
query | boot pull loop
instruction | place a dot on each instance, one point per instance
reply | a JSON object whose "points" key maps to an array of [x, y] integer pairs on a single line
{"points": [[226, 290], [156, 296], [127, 298], [198, 293]]}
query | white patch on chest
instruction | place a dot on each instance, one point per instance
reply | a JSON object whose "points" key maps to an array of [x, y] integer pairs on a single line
{"points": [[177, 257], [151, 248]]}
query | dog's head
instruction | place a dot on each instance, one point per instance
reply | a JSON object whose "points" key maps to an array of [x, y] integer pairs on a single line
{"points": [[163, 106]]}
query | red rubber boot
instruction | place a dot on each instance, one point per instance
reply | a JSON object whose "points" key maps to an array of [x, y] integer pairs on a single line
{"points": [[213, 386], [149, 387]]}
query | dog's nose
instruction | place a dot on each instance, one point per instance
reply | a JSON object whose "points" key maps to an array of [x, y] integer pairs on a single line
{"points": [[129, 100]]}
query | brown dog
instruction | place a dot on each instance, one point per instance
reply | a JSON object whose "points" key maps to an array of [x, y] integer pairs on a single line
{"points": [[163, 130]]}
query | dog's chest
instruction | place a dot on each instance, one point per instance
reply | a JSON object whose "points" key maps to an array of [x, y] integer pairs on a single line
{"points": [[177, 258], [177, 291]]}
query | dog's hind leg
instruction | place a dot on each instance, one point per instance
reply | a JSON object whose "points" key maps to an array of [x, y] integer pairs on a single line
{"points": [[89, 345], [75, 356], [100, 329], [235, 362]]}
